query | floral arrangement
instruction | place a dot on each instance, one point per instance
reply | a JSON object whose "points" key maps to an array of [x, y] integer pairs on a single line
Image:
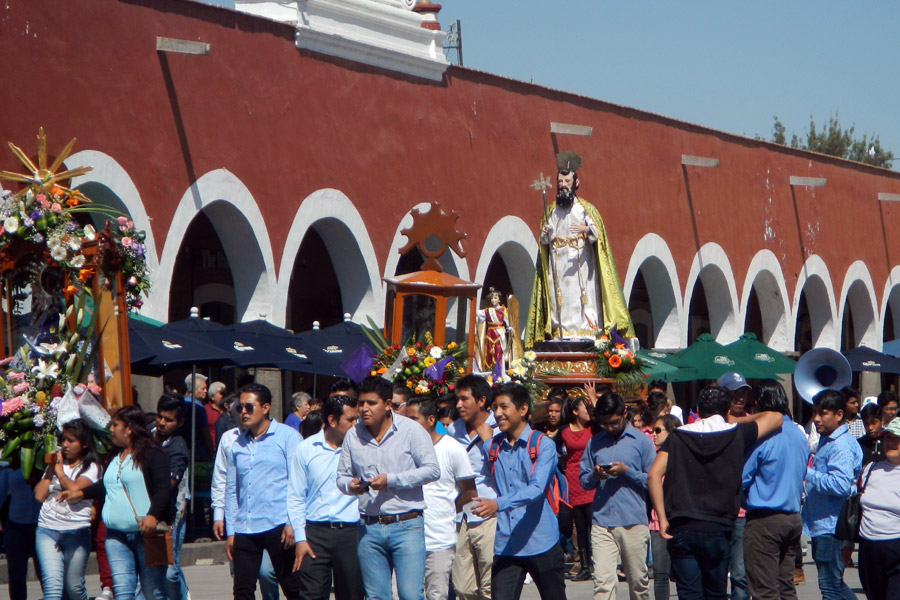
{"points": [[41, 382], [423, 367], [615, 359], [43, 213], [521, 370]]}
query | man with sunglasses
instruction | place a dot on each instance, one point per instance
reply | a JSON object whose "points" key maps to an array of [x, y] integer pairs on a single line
{"points": [[256, 507], [615, 464], [325, 520]]}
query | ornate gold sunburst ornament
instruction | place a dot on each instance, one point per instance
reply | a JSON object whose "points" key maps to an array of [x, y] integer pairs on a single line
{"points": [[41, 179], [433, 232], [42, 214]]}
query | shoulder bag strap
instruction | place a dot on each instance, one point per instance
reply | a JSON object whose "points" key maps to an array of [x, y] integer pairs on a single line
{"points": [[125, 488]]}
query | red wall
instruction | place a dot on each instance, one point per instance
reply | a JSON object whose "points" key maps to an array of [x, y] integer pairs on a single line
{"points": [[289, 122]]}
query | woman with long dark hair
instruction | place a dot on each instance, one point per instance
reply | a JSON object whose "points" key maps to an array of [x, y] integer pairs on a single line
{"points": [[575, 438], [63, 538], [137, 490]]}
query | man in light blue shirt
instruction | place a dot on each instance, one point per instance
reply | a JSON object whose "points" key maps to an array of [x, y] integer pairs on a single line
{"points": [[615, 464], [829, 481], [325, 520], [256, 514], [471, 572], [773, 486], [385, 460], [527, 538]]}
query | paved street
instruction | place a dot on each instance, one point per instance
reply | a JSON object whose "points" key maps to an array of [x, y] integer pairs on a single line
{"points": [[213, 583]]}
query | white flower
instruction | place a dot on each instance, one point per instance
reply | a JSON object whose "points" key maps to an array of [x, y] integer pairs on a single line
{"points": [[90, 233], [77, 261], [54, 349], [54, 242], [519, 371], [58, 253], [27, 221], [530, 355], [11, 225], [45, 369], [39, 421], [74, 242], [436, 352]]}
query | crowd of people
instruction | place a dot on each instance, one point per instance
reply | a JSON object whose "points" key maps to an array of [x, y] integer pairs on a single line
{"points": [[375, 491]]}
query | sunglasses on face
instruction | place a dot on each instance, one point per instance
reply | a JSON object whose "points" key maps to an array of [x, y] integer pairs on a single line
{"points": [[246, 407], [658, 430], [398, 405]]}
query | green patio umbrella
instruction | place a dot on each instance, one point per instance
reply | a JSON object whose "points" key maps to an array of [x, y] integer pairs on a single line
{"points": [[656, 365], [710, 360], [751, 349]]}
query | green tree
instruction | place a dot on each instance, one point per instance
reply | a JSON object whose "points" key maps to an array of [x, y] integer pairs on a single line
{"points": [[834, 140]]}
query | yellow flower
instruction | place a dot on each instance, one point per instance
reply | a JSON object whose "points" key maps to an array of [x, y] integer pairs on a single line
{"points": [[373, 373], [461, 370], [409, 384], [429, 361]]}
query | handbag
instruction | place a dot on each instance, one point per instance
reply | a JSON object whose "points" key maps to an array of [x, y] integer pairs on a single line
{"points": [[157, 544], [847, 527]]}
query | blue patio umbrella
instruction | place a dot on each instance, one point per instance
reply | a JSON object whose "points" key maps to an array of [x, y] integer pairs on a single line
{"points": [[330, 347], [864, 358]]}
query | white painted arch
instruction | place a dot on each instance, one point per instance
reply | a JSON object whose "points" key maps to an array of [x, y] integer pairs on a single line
{"points": [[891, 298], [820, 299], [236, 217], [652, 255], [858, 296], [346, 238], [513, 239], [712, 267], [451, 263], [765, 274], [110, 174]]}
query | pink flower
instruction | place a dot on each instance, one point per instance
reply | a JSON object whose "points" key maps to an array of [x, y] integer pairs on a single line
{"points": [[126, 241], [132, 281], [21, 387], [13, 405], [41, 198], [55, 207], [6, 361], [16, 376], [122, 220], [130, 224]]}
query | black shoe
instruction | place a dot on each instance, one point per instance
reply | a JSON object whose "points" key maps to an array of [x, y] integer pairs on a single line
{"points": [[583, 575]]}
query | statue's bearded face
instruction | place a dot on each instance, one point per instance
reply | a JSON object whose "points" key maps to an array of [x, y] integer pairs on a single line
{"points": [[565, 188]]}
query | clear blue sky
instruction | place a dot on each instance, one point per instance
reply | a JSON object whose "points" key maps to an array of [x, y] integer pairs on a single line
{"points": [[729, 65]]}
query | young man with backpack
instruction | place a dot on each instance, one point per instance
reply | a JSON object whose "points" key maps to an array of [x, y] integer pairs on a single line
{"points": [[527, 538]]}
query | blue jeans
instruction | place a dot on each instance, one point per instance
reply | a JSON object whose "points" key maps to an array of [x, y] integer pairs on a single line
{"points": [[176, 586], [125, 550], [739, 589], [826, 552], [398, 547], [63, 556], [699, 562]]}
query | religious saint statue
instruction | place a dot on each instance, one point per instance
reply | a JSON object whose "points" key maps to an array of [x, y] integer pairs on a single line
{"points": [[576, 289], [496, 338]]}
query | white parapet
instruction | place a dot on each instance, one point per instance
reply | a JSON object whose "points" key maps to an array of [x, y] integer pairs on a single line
{"points": [[381, 33]]}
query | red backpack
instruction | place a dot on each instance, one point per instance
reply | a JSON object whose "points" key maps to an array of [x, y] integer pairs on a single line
{"points": [[557, 491]]}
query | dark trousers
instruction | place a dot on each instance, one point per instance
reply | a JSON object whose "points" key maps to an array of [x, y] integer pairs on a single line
{"points": [[879, 569], [19, 542], [248, 550], [660, 566], [508, 575], [335, 551], [699, 562], [770, 542]]}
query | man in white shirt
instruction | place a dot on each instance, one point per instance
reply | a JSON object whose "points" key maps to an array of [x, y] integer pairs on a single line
{"points": [[443, 498]]}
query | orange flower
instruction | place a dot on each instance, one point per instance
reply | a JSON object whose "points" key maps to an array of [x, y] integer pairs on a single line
{"points": [[411, 352], [72, 201], [70, 291], [85, 274], [606, 354], [615, 361], [56, 191], [381, 371]]}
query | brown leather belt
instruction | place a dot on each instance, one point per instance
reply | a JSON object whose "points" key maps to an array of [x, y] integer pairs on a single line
{"points": [[388, 519]]}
